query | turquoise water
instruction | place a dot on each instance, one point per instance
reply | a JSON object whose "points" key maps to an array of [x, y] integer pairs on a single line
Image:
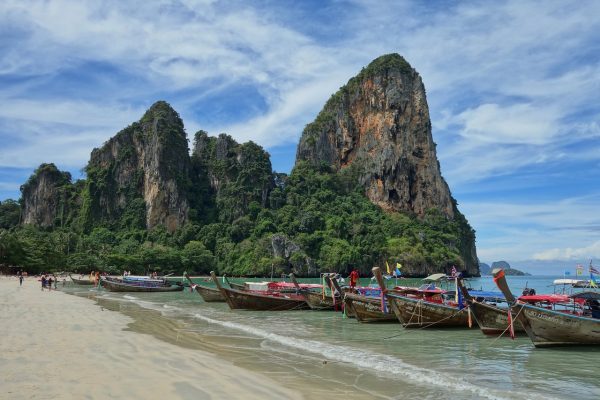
{"points": [[322, 354]]}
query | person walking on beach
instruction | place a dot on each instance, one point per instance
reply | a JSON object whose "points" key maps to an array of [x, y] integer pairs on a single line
{"points": [[43, 282], [20, 278], [49, 283]]}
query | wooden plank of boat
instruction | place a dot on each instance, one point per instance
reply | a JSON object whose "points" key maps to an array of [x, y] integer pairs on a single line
{"points": [[246, 300], [419, 313], [208, 294], [491, 320], [238, 286], [546, 327], [347, 301], [81, 281], [316, 300], [368, 309], [117, 286]]}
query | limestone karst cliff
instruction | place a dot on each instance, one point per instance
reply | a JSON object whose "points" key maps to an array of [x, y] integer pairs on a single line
{"points": [[366, 189], [378, 125], [142, 173], [46, 197]]}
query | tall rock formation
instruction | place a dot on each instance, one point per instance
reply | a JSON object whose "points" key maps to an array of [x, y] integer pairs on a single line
{"points": [[141, 175], [45, 197], [379, 123], [378, 126], [236, 174]]}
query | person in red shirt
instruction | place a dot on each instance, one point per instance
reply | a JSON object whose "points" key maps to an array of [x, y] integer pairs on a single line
{"points": [[353, 278]]}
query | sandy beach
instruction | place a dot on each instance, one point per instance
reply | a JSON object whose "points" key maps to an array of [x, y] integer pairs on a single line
{"points": [[59, 346]]}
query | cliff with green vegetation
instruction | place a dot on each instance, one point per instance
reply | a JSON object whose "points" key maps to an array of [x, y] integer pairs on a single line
{"points": [[366, 188], [377, 129], [140, 177], [49, 198]]}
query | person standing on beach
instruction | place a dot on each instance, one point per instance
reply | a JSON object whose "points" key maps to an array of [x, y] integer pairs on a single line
{"points": [[49, 283], [20, 278], [353, 278], [43, 282]]}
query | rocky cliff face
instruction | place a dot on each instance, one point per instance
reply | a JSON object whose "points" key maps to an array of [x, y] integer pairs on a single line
{"points": [[378, 127], [142, 172], [379, 123], [45, 196], [238, 174]]}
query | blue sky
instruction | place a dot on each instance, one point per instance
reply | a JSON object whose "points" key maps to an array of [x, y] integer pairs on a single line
{"points": [[512, 88]]}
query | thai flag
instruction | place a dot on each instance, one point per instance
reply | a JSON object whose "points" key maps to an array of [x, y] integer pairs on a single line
{"points": [[594, 271], [453, 272]]}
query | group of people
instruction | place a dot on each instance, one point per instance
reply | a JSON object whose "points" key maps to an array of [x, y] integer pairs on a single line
{"points": [[48, 280]]}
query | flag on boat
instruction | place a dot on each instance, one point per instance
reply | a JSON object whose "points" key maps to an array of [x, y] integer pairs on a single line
{"points": [[453, 272], [594, 271], [579, 270], [567, 273], [389, 270]]}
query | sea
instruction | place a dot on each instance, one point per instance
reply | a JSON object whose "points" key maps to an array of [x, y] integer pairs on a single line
{"points": [[323, 355]]}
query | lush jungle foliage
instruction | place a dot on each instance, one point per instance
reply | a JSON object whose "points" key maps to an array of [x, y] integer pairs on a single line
{"points": [[314, 220]]}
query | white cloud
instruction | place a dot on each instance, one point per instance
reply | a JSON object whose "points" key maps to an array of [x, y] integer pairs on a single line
{"points": [[570, 253], [512, 124]]}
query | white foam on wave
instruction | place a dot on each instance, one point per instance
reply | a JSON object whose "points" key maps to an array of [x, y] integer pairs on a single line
{"points": [[128, 297], [380, 363]]}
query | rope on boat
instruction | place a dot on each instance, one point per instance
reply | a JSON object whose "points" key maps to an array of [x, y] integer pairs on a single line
{"points": [[407, 331], [503, 332]]}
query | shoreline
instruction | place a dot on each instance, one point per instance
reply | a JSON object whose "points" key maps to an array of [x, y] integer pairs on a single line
{"points": [[56, 345]]}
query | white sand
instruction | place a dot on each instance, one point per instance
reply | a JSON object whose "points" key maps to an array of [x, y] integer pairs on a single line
{"points": [[58, 346]]}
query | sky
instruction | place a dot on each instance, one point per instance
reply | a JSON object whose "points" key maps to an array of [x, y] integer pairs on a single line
{"points": [[512, 88]]}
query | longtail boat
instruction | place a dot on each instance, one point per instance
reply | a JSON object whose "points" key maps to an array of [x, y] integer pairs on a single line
{"points": [[426, 309], [492, 320], [319, 300], [368, 308], [260, 301], [208, 294], [119, 285], [547, 327], [81, 281]]}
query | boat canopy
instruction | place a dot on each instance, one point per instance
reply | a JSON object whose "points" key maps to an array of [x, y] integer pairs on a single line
{"points": [[565, 281], [545, 298], [435, 277]]}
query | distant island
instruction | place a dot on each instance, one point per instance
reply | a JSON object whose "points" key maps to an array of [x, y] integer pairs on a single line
{"points": [[485, 269]]}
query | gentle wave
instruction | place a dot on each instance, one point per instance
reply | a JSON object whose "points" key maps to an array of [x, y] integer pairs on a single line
{"points": [[363, 359]]}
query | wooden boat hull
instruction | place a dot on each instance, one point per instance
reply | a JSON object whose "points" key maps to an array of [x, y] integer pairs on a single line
{"points": [[548, 328], [316, 301], [124, 287], [81, 281], [348, 308], [368, 309], [492, 320], [416, 313], [210, 295], [242, 300]]}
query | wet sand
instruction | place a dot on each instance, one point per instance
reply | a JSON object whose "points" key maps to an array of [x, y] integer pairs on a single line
{"points": [[59, 346]]}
